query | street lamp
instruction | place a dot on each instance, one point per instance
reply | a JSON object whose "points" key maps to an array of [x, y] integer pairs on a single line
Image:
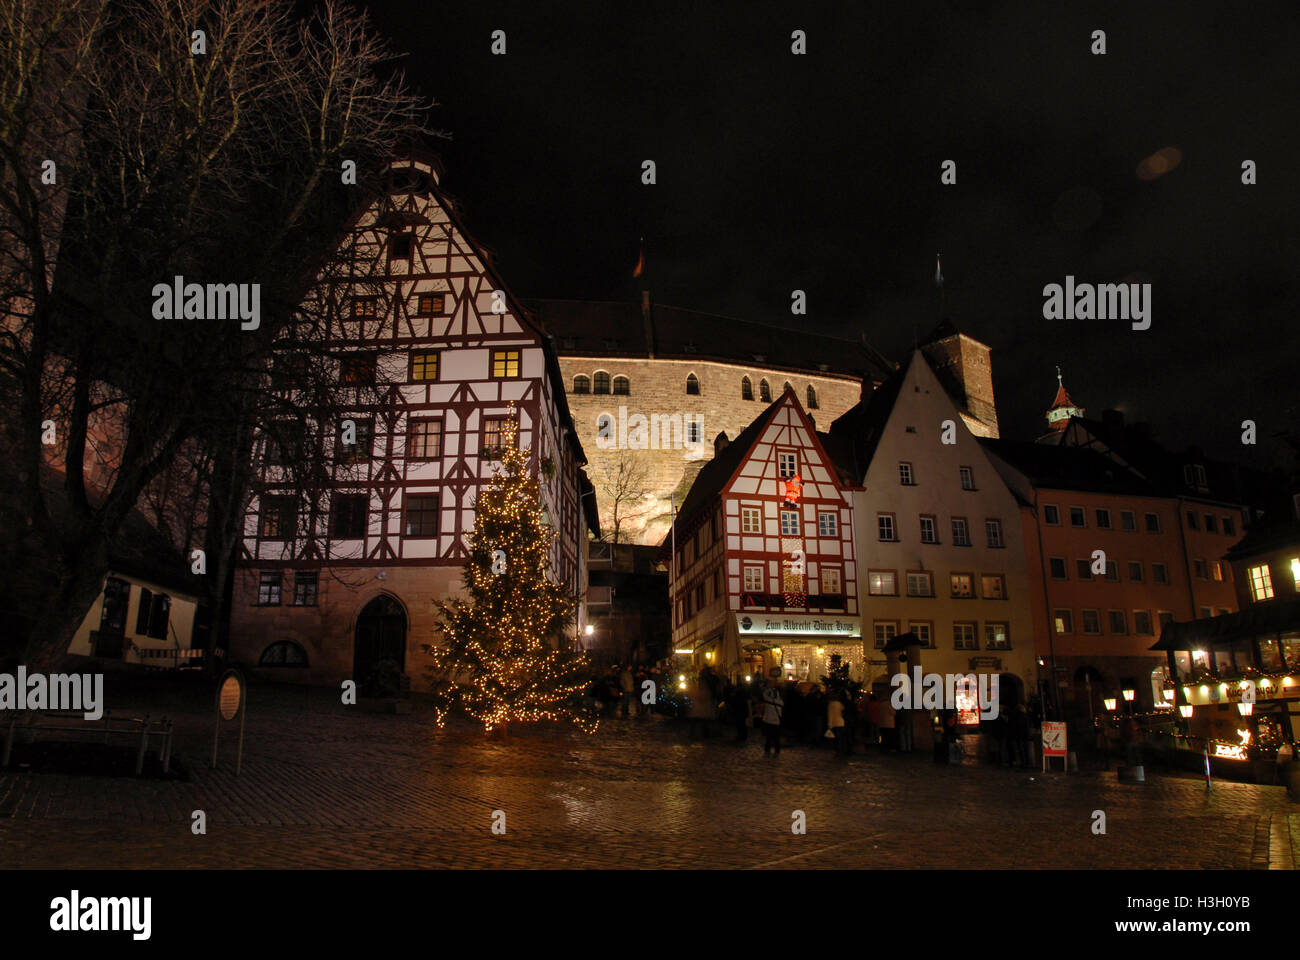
{"points": [[1186, 710], [1110, 703], [1245, 709], [1129, 693]]}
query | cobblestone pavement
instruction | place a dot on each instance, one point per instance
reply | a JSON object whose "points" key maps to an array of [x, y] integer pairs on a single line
{"points": [[325, 785]]}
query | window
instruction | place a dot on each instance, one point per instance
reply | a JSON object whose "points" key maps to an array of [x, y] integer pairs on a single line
{"points": [[1192, 522], [1091, 621], [268, 590], [963, 584], [993, 531], [1198, 567], [993, 586], [1142, 623], [1216, 571], [693, 384], [1056, 567], [1063, 621], [885, 522], [1206, 613], [362, 432], [601, 382], [279, 517], [750, 520], [746, 389], [831, 581], [1083, 569], [1118, 623], [1295, 572], [997, 636], [787, 465], [963, 636], [582, 384], [753, 579], [421, 515], [1194, 475], [1159, 573], [1051, 515], [693, 428], [923, 631], [1152, 522], [357, 369], [1135, 571], [787, 388], [349, 515], [905, 474], [827, 525], [622, 386], [424, 366], [764, 391], [1112, 571], [305, 588], [495, 433], [423, 438], [283, 653], [1164, 616], [1128, 521], [1229, 527], [117, 597], [154, 612], [882, 583], [400, 245], [967, 478], [1211, 523], [960, 532], [430, 304], [812, 397], [1261, 582], [505, 364], [885, 630], [365, 308], [699, 596], [1077, 518], [920, 584], [1103, 518], [928, 534], [789, 523]]}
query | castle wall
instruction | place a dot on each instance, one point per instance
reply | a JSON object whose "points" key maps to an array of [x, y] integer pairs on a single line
{"points": [[657, 387]]}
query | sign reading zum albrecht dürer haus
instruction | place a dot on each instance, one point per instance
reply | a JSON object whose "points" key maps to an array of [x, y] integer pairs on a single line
{"points": [[788, 624]]}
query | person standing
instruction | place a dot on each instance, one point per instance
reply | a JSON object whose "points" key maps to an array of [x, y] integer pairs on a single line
{"points": [[835, 722], [627, 683], [773, 705]]}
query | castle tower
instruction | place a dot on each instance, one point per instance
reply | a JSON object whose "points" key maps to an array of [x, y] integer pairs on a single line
{"points": [[1062, 409], [965, 368]]}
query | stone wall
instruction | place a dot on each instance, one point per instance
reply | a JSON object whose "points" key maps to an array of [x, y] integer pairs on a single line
{"points": [[658, 387]]}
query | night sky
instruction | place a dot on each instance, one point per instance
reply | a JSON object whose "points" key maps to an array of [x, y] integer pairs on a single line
{"points": [[822, 172]]}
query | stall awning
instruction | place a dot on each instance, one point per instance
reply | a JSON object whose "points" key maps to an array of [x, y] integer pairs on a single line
{"points": [[1231, 629]]}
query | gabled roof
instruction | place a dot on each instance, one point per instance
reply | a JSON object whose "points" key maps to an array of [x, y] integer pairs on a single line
{"points": [[1265, 537], [718, 472], [857, 432], [620, 329]]}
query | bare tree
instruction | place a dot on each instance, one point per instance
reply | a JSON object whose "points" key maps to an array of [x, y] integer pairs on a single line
{"points": [[624, 481], [203, 139]]}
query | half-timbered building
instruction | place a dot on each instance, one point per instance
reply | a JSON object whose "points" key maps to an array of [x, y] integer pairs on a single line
{"points": [[433, 355], [764, 571]]}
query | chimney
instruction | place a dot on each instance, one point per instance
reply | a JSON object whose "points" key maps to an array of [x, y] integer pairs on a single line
{"points": [[649, 325], [720, 443]]}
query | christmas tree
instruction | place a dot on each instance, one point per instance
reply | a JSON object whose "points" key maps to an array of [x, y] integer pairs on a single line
{"points": [[499, 661]]}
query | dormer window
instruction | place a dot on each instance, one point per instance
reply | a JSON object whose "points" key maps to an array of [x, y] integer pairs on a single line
{"points": [[1194, 476], [400, 246]]}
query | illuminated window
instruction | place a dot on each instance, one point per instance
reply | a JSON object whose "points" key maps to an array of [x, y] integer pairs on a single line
{"points": [[993, 586], [1295, 572], [1261, 582], [424, 366], [997, 636], [830, 581], [430, 304], [357, 369], [750, 520], [279, 517], [1063, 621], [882, 583], [494, 433], [505, 364], [424, 438], [364, 308], [753, 579], [1216, 570], [963, 584]]}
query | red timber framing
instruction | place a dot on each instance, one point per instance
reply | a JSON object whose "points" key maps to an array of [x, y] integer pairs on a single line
{"points": [[450, 344]]}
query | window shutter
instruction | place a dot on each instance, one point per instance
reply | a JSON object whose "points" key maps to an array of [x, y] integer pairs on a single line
{"points": [[142, 615], [162, 605]]}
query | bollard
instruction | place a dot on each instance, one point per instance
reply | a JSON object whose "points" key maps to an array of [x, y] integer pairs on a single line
{"points": [[144, 745], [1071, 762]]}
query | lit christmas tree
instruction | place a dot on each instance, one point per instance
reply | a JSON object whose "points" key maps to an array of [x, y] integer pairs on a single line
{"points": [[497, 663]]}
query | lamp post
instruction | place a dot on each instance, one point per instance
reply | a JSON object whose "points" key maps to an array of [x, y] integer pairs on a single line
{"points": [[1129, 693]]}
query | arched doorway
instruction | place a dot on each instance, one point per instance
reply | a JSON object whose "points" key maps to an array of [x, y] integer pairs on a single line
{"points": [[381, 635]]}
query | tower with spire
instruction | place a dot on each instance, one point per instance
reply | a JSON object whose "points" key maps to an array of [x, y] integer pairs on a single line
{"points": [[1060, 412]]}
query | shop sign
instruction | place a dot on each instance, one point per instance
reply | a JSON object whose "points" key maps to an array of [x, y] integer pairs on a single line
{"points": [[758, 624]]}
